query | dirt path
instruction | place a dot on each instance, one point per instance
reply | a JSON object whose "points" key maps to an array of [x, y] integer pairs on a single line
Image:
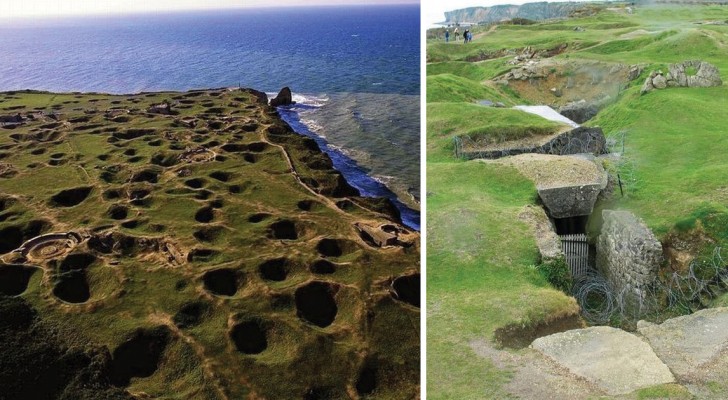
{"points": [[534, 376]]}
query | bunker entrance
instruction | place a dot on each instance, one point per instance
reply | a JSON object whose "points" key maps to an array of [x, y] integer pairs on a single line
{"points": [[579, 254]]}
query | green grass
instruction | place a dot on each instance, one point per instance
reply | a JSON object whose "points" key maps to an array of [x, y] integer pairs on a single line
{"points": [[448, 87], [484, 124]]}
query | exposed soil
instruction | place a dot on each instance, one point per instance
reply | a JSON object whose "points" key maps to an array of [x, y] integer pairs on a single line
{"points": [[315, 303], [249, 336], [517, 336]]}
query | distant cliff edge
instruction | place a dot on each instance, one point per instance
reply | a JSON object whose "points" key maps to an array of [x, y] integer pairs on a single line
{"points": [[532, 11]]}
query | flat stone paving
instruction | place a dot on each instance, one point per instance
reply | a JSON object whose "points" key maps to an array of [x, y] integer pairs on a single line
{"points": [[616, 361], [689, 343]]}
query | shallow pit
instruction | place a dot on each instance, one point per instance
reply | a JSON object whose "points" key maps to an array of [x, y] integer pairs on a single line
{"points": [[205, 215], [258, 217], [407, 289], [366, 383], [276, 269], [191, 314], [146, 175], [285, 230], [323, 267], [117, 212], [208, 234], [14, 279], [139, 356], [12, 238], [309, 205], [335, 247], [195, 183], [221, 282], [250, 336], [221, 176], [315, 303], [72, 287], [70, 197]]}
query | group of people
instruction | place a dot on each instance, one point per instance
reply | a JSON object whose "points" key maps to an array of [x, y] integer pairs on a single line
{"points": [[467, 35]]}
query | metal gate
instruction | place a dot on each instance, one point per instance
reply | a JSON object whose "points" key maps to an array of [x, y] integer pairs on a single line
{"points": [[576, 251]]}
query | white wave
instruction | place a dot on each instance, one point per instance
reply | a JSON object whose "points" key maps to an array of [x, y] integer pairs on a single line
{"points": [[305, 99], [314, 127]]}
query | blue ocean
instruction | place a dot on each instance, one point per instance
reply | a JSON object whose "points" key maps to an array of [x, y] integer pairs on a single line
{"points": [[354, 70]]}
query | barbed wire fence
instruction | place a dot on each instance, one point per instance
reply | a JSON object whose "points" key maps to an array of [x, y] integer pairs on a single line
{"points": [[671, 294]]}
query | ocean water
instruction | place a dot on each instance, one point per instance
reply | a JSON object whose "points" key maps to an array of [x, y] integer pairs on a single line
{"points": [[354, 70]]}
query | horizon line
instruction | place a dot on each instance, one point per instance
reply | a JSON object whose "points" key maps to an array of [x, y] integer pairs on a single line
{"points": [[96, 13]]}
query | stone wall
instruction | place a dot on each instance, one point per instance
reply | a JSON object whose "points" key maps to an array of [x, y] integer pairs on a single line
{"points": [[576, 141], [628, 254], [679, 75]]}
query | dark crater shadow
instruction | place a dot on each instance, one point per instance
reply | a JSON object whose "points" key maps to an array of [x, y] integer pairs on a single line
{"points": [[146, 175], [276, 269], [323, 267], [250, 336], [335, 247], [366, 383], [195, 183], [70, 197], [309, 205], [259, 217], [209, 234], [221, 176], [407, 289], [284, 229], [12, 238], [315, 303], [221, 282], [205, 215], [191, 314], [14, 279], [117, 212], [139, 356], [71, 281]]}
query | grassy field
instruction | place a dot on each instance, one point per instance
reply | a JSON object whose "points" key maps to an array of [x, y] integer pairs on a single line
{"points": [[214, 234], [480, 256]]}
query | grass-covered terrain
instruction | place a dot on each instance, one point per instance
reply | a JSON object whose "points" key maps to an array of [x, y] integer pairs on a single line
{"points": [[481, 255], [202, 250]]}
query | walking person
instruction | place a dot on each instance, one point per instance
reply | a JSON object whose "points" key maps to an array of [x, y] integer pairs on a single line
{"points": [[465, 36], [447, 35], [457, 34]]}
